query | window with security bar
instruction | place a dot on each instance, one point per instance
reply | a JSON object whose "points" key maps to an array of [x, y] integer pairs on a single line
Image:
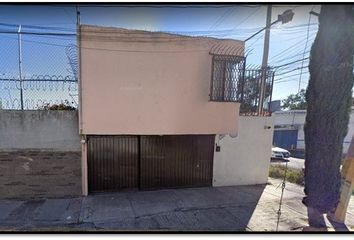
{"points": [[227, 78]]}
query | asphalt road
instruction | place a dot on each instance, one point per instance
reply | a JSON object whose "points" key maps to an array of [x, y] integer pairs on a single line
{"points": [[295, 163]]}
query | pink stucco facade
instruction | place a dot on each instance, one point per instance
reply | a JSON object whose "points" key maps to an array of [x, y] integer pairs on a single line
{"points": [[142, 83]]}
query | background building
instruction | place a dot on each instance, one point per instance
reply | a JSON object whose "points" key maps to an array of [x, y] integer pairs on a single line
{"points": [[289, 129]]}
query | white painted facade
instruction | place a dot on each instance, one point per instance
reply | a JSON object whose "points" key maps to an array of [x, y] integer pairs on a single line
{"points": [[244, 159], [297, 119]]}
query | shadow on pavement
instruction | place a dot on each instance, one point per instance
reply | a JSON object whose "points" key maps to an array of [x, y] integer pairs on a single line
{"points": [[189, 209]]}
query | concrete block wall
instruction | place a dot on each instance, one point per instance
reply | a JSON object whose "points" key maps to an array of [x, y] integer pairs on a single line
{"points": [[27, 174], [40, 154]]}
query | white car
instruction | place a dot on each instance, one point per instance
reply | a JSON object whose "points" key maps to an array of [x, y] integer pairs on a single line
{"points": [[280, 153]]}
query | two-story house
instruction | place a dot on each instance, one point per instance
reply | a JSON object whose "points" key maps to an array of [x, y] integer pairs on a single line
{"points": [[153, 105]]}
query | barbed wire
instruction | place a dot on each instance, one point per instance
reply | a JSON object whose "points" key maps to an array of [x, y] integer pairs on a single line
{"points": [[46, 75], [38, 91]]}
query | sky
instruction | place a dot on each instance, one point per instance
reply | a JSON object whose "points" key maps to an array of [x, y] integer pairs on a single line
{"points": [[288, 42]]}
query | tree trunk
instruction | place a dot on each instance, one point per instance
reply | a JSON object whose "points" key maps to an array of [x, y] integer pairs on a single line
{"points": [[328, 99]]}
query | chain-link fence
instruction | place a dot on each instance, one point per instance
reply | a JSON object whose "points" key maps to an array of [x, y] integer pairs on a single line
{"points": [[37, 70]]}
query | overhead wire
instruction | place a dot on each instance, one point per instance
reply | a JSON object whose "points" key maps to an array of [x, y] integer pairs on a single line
{"points": [[307, 38], [221, 18], [285, 51]]}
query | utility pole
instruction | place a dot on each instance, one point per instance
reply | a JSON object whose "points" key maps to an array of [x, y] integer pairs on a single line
{"points": [[19, 38], [347, 184], [265, 60]]}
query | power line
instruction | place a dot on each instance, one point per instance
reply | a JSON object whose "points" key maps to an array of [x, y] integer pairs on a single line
{"points": [[307, 39], [226, 32], [245, 19], [118, 50], [257, 39], [294, 46], [38, 33], [286, 77], [295, 69], [45, 43], [287, 68], [290, 57], [285, 81], [289, 63], [38, 27], [285, 51], [221, 18]]}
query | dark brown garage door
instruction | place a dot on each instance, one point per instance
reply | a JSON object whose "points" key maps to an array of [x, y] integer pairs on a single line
{"points": [[149, 162], [176, 161], [113, 163]]}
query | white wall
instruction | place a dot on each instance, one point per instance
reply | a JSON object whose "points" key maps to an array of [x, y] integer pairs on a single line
{"points": [[33, 129], [245, 159], [286, 118]]}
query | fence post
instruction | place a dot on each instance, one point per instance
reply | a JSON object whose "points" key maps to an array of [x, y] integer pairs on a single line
{"points": [[243, 79], [271, 94], [20, 64]]}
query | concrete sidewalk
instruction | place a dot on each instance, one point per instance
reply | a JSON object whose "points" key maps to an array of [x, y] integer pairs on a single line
{"points": [[239, 208]]}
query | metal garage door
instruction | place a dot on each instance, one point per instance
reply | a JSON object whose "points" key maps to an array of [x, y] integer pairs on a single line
{"points": [[285, 138], [113, 163], [176, 161], [149, 162]]}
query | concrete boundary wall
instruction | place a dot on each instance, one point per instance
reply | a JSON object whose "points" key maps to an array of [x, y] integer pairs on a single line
{"points": [[33, 129], [245, 159], [40, 154], [31, 174]]}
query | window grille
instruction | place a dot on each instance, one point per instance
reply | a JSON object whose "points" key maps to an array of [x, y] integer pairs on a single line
{"points": [[227, 78]]}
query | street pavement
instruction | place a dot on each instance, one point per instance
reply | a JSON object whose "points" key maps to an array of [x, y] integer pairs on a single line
{"points": [[234, 208]]}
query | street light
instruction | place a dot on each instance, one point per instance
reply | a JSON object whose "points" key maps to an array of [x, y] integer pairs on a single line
{"points": [[285, 17]]}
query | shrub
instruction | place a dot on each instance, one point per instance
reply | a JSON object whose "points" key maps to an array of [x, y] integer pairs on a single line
{"points": [[62, 106], [292, 175]]}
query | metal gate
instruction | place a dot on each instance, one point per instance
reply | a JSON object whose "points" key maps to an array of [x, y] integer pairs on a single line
{"points": [[113, 163], [149, 162], [176, 161]]}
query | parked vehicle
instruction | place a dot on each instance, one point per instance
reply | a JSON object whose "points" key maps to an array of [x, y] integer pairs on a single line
{"points": [[280, 153]]}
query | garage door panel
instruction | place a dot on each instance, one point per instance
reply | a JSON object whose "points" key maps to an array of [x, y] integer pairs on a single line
{"points": [[176, 161], [112, 162]]}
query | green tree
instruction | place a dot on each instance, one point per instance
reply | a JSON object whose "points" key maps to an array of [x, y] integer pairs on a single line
{"points": [[295, 101], [328, 98], [251, 94]]}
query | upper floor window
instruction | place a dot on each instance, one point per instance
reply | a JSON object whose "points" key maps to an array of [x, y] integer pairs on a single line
{"points": [[227, 78]]}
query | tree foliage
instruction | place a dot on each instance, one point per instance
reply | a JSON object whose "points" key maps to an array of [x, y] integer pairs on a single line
{"points": [[62, 106], [251, 94], [328, 98], [295, 101]]}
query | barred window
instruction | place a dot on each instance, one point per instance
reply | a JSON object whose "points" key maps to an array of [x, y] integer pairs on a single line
{"points": [[227, 78]]}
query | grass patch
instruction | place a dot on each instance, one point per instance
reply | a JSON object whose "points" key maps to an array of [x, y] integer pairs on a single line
{"points": [[292, 175]]}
